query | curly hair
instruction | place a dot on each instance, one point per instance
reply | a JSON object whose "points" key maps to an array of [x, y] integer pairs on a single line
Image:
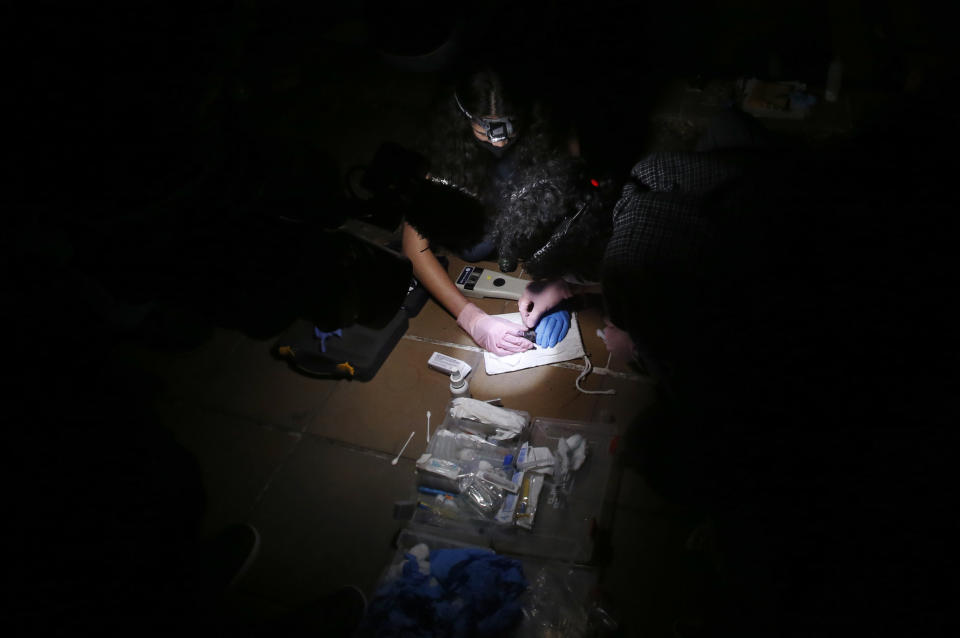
{"points": [[458, 161], [556, 219]]}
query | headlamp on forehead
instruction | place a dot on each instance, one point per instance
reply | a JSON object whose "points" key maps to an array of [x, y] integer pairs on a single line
{"points": [[497, 129]]}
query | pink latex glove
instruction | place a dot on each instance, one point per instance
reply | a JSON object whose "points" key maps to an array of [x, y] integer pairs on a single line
{"points": [[499, 336], [540, 297], [619, 343]]}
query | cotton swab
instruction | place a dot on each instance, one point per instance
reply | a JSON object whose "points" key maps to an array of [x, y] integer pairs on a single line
{"points": [[428, 426], [394, 461]]}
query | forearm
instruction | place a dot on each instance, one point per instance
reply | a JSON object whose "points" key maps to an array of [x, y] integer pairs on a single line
{"points": [[430, 273], [586, 289]]}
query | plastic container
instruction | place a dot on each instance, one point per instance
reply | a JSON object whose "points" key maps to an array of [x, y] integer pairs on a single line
{"points": [[567, 518]]}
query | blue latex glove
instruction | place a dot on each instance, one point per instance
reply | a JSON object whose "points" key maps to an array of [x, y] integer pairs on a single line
{"points": [[552, 328]]}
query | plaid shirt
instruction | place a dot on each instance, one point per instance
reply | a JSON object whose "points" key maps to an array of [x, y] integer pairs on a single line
{"points": [[661, 219]]}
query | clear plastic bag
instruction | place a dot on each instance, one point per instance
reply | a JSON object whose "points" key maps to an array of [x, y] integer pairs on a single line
{"points": [[552, 606], [502, 477], [460, 446], [479, 495], [570, 456]]}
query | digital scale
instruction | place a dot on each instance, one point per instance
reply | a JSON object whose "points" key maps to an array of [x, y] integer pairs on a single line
{"points": [[482, 282]]}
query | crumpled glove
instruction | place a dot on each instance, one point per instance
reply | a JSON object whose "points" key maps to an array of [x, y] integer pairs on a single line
{"points": [[552, 328], [540, 297], [499, 336]]}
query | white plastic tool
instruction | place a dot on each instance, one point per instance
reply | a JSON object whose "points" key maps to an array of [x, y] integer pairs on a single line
{"points": [[428, 426], [448, 365], [483, 282], [394, 461]]}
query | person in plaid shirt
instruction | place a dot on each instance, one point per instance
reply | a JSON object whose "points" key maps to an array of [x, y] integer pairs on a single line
{"points": [[643, 250]]}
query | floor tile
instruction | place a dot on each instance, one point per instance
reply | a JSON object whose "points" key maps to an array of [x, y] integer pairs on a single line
{"points": [[380, 414], [633, 395], [183, 373], [237, 457], [546, 391], [591, 319], [256, 385], [435, 323], [551, 391], [326, 520]]}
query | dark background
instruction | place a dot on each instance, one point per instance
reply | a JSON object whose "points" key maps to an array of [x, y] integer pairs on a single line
{"points": [[147, 198]]}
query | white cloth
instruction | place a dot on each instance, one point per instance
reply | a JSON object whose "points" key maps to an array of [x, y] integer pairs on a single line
{"points": [[467, 408], [571, 347]]}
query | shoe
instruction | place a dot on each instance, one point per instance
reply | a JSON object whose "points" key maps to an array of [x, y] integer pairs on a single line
{"points": [[227, 557]]}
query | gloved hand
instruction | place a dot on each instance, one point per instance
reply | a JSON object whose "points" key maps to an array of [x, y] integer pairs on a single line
{"points": [[618, 342], [553, 328], [499, 336], [540, 297]]}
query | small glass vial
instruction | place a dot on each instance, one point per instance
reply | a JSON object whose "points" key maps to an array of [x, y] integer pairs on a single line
{"points": [[459, 386]]}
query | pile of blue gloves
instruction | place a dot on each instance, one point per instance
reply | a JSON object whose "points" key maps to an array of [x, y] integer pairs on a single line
{"points": [[468, 592]]}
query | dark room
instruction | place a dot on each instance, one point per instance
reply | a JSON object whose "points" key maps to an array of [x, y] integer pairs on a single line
{"points": [[431, 318]]}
